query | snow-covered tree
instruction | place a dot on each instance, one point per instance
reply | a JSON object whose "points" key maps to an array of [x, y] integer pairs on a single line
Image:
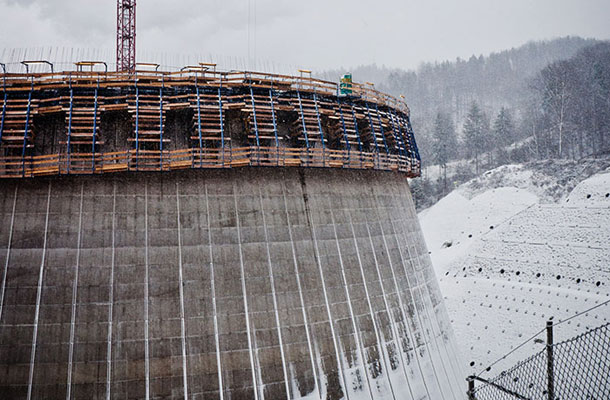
{"points": [[503, 134], [575, 102], [475, 132], [444, 143], [557, 82]]}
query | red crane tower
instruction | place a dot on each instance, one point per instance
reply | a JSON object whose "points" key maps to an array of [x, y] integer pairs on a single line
{"points": [[126, 35]]}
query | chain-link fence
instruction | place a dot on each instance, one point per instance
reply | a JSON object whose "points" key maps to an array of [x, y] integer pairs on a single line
{"points": [[576, 369]]}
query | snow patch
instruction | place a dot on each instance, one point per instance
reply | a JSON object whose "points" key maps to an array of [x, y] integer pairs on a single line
{"points": [[528, 243], [458, 220], [592, 192]]}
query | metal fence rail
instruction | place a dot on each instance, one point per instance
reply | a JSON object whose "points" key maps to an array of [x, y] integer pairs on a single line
{"points": [[578, 369]]}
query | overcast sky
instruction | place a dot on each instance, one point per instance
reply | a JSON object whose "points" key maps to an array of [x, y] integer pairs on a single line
{"points": [[310, 34]]}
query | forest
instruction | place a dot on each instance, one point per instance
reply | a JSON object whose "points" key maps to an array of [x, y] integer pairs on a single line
{"points": [[542, 100]]}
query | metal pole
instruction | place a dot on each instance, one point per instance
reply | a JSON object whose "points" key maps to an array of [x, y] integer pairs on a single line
{"points": [[549, 354], [470, 392]]}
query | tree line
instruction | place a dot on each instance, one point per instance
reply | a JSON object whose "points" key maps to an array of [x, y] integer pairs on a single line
{"points": [[563, 113], [570, 113], [542, 100]]}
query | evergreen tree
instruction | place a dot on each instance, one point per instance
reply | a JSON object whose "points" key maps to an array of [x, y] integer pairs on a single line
{"points": [[444, 143], [474, 133], [503, 134]]}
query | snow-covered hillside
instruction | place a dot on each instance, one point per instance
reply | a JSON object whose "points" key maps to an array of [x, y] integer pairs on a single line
{"points": [[516, 247]]}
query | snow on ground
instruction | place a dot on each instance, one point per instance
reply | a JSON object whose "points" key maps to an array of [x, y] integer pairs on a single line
{"points": [[455, 223], [516, 247]]}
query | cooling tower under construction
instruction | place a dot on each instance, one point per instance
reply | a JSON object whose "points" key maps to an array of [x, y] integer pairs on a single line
{"points": [[210, 235]]}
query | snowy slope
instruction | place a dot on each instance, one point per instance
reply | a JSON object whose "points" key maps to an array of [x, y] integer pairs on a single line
{"points": [[455, 223], [522, 251]]}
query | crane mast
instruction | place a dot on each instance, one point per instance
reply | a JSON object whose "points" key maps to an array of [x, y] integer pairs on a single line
{"points": [[126, 35]]}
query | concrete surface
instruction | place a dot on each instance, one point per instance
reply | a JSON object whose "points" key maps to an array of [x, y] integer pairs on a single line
{"points": [[220, 285]]}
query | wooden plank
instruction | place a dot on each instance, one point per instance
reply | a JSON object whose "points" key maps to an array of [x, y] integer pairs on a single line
{"points": [[292, 162], [115, 167]]}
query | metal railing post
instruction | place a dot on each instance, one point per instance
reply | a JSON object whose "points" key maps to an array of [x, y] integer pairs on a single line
{"points": [[550, 361], [470, 391]]}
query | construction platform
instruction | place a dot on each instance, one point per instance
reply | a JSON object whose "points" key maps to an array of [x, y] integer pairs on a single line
{"points": [[92, 122]]}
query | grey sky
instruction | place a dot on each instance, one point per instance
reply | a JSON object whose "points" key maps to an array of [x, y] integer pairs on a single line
{"points": [[313, 34]]}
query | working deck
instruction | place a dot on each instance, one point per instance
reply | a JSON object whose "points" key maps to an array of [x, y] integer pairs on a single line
{"points": [[98, 122]]}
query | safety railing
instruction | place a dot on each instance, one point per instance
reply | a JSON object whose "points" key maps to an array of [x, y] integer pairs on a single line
{"points": [[188, 76], [166, 160]]}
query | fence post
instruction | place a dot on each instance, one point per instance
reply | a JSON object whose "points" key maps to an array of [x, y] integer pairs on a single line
{"points": [[470, 392], [549, 356]]}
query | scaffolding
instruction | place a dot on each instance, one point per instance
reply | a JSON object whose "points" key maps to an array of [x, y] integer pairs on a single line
{"points": [[236, 119]]}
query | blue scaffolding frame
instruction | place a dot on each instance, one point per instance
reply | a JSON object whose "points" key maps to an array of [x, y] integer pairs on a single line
{"points": [[4, 102], [304, 127], [385, 143], [277, 140], [161, 122], [347, 145], [27, 128], [69, 143], [137, 142], [222, 126], [258, 142]]}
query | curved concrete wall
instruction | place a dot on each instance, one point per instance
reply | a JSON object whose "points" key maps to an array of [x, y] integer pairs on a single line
{"points": [[221, 285]]}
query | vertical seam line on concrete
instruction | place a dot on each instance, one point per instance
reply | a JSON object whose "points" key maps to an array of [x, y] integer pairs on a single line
{"points": [[8, 251], [432, 335], [435, 337], [368, 300], [433, 324], [181, 282], [111, 296], [245, 294], [75, 294], [296, 271], [273, 295], [351, 310], [410, 237], [401, 308], [146, 348], [385, 300], [330, 318], [434, 321], [38, 295], [216, 336], [415, 311], [456, 365]]}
